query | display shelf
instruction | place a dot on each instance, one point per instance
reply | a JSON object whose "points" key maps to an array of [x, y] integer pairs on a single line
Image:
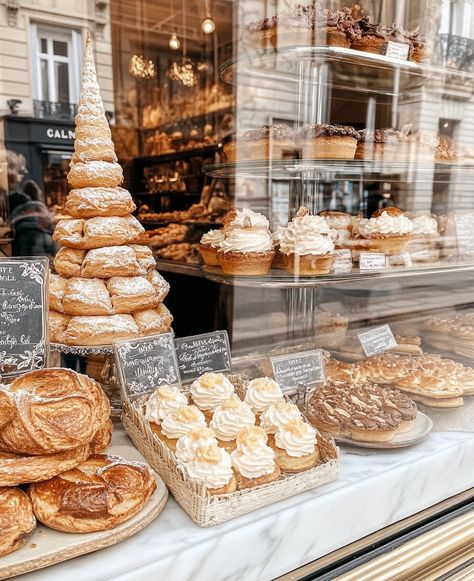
{"points": [[280, 278], [191, 118], [177, 155], [329, 169], [177, 267], [286, 64]]}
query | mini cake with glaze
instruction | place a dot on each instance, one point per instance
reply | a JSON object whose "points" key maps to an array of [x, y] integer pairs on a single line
{"points": [[324, 141], [267, 142]]}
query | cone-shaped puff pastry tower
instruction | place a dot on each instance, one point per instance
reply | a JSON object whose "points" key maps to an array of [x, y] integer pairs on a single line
{"points": [[106, 287]]}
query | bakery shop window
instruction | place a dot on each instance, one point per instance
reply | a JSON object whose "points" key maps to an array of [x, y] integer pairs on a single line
{"points": [[56, 66]]}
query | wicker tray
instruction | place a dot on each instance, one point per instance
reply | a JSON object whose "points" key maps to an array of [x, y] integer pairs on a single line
{"points": [[205, 509]]}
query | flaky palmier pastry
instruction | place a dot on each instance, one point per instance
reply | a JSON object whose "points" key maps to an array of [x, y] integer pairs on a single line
{"points": [[102, 438], [17, 521], [18, 469], [101, 330], [56, 410], [153, 321], [57, 324], [98, 495], [7, 408], [86, 296], [97, 232], [93, 202], [57, 287], [95, 174], [131, 293], [68, 262], [93, 139]]}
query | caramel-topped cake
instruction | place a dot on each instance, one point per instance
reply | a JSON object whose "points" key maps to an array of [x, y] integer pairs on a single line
{"points": [[229, 418], [188, 444], [253, 459], [164, 401], [261, 393], [210, 390], [179, 423], [362, 412], [212, 466], [295, 446]]}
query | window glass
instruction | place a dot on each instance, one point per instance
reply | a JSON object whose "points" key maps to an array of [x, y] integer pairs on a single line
{"points": [[44, 45], [61, 75], [60, 48], [44, 79]]}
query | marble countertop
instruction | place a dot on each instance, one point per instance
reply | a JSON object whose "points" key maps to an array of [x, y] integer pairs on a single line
{"points": [[375, 489]]}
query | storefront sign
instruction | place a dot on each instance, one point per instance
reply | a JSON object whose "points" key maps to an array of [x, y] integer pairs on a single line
{"points": [[201, 353], [465, 232], [23, 325], [145, 364], [298, 369], [397, 50], [377, 340], [372, 261], [342, 260]]}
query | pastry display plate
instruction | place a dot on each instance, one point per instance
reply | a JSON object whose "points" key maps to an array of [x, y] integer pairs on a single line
{"points": [[47, 547], [82, 350], [350, 68], [280, 278], [332, 169], [421, 429]]}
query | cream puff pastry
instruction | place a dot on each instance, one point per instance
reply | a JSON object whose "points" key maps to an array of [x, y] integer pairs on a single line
{"points": [[93, 202]]}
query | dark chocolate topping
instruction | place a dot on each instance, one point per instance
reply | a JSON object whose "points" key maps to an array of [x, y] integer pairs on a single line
{"points": [[320, 129], [277, 131]]}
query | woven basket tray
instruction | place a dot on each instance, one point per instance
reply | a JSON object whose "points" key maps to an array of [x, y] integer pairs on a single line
{"points": [[206, 509]]}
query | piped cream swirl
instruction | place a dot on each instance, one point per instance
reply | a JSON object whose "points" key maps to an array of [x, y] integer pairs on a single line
{"points": [[164, 401], [210, 390], [278, 415], [230, 417], [262, 392], [211, 465], [188, 444], [182, 421], [213, 238], [385, 224], [252, 457], [296, 438]]}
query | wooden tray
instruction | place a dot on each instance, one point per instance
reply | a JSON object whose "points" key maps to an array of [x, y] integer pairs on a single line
{"points": [[48, 547]]}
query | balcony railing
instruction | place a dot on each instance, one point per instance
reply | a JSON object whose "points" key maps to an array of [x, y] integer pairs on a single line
{"points": [[51, 110], [457, 52]]}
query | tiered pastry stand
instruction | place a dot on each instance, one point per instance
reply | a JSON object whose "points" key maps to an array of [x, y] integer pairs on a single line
{"points": [[316, 70], [100, 366]]}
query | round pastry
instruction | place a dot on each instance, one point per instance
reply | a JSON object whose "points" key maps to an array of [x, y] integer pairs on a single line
{"points": [[278, 415], [229, 418], [92, 202], [68, 262], [179, 423], [212, 466], [209, 245], [388, 231], [295, 446], [267, 142], [210, 390], [324, 141], [95, 174], [18, 469], [253, 460], [17, 521], [7, 408], [164, 401], [56, 409], [57, 287], [57, 323], [102, 438], [187, 445], [98, 495], [97, 232], [153, 321], [261, 393], [86, 296], [99, 330]]}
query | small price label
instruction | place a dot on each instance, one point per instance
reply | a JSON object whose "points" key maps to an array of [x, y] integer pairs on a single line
{"points": [[397, 50], [401, 259], [342, 260], [299, 369], [377, 340], [465, 232], [201, 353], [372, 261]]}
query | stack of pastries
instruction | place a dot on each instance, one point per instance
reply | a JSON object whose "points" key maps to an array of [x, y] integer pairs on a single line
{"points": [[54, 426], [106, 287], [229, 443]]}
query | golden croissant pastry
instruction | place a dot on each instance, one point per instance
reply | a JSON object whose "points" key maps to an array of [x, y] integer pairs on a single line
{"points": [[97, 232], [7, 408], [92, 202], [56, 410], [102, 438], [98, 495], [17, 521], [100, 330], [18, 469]]}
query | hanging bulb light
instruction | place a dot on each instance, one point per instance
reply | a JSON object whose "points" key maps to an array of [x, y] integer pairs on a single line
{"points": [[208, 25], [174, 42]]}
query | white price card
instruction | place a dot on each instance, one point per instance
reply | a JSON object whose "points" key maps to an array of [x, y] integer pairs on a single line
{"points": [[342, 260], [377, 340], [372, 261], [465, 232], [397, 50], [298, 369]]}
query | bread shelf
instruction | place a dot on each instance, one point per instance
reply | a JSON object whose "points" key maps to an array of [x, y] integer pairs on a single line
{"points": [[328, 169], [279, 278], [375, 72]]}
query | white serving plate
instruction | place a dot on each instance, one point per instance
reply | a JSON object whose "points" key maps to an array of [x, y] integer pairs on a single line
{"points": [[422, 427], [48, 547]]}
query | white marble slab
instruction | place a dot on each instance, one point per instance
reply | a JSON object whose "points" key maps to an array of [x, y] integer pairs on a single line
{"points": [[375, 489]]}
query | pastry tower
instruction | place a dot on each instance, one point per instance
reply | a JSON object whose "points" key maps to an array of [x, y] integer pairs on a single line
{"points": [[106, 287]]}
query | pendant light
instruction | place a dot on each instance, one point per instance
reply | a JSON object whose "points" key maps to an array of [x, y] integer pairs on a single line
{"points": [[173, 43], [208, 25]]}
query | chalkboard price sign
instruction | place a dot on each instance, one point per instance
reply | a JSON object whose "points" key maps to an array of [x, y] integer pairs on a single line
{"points": [[298, 369], [145, 364], [201, 353], [377, 340], [23, 325]]}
